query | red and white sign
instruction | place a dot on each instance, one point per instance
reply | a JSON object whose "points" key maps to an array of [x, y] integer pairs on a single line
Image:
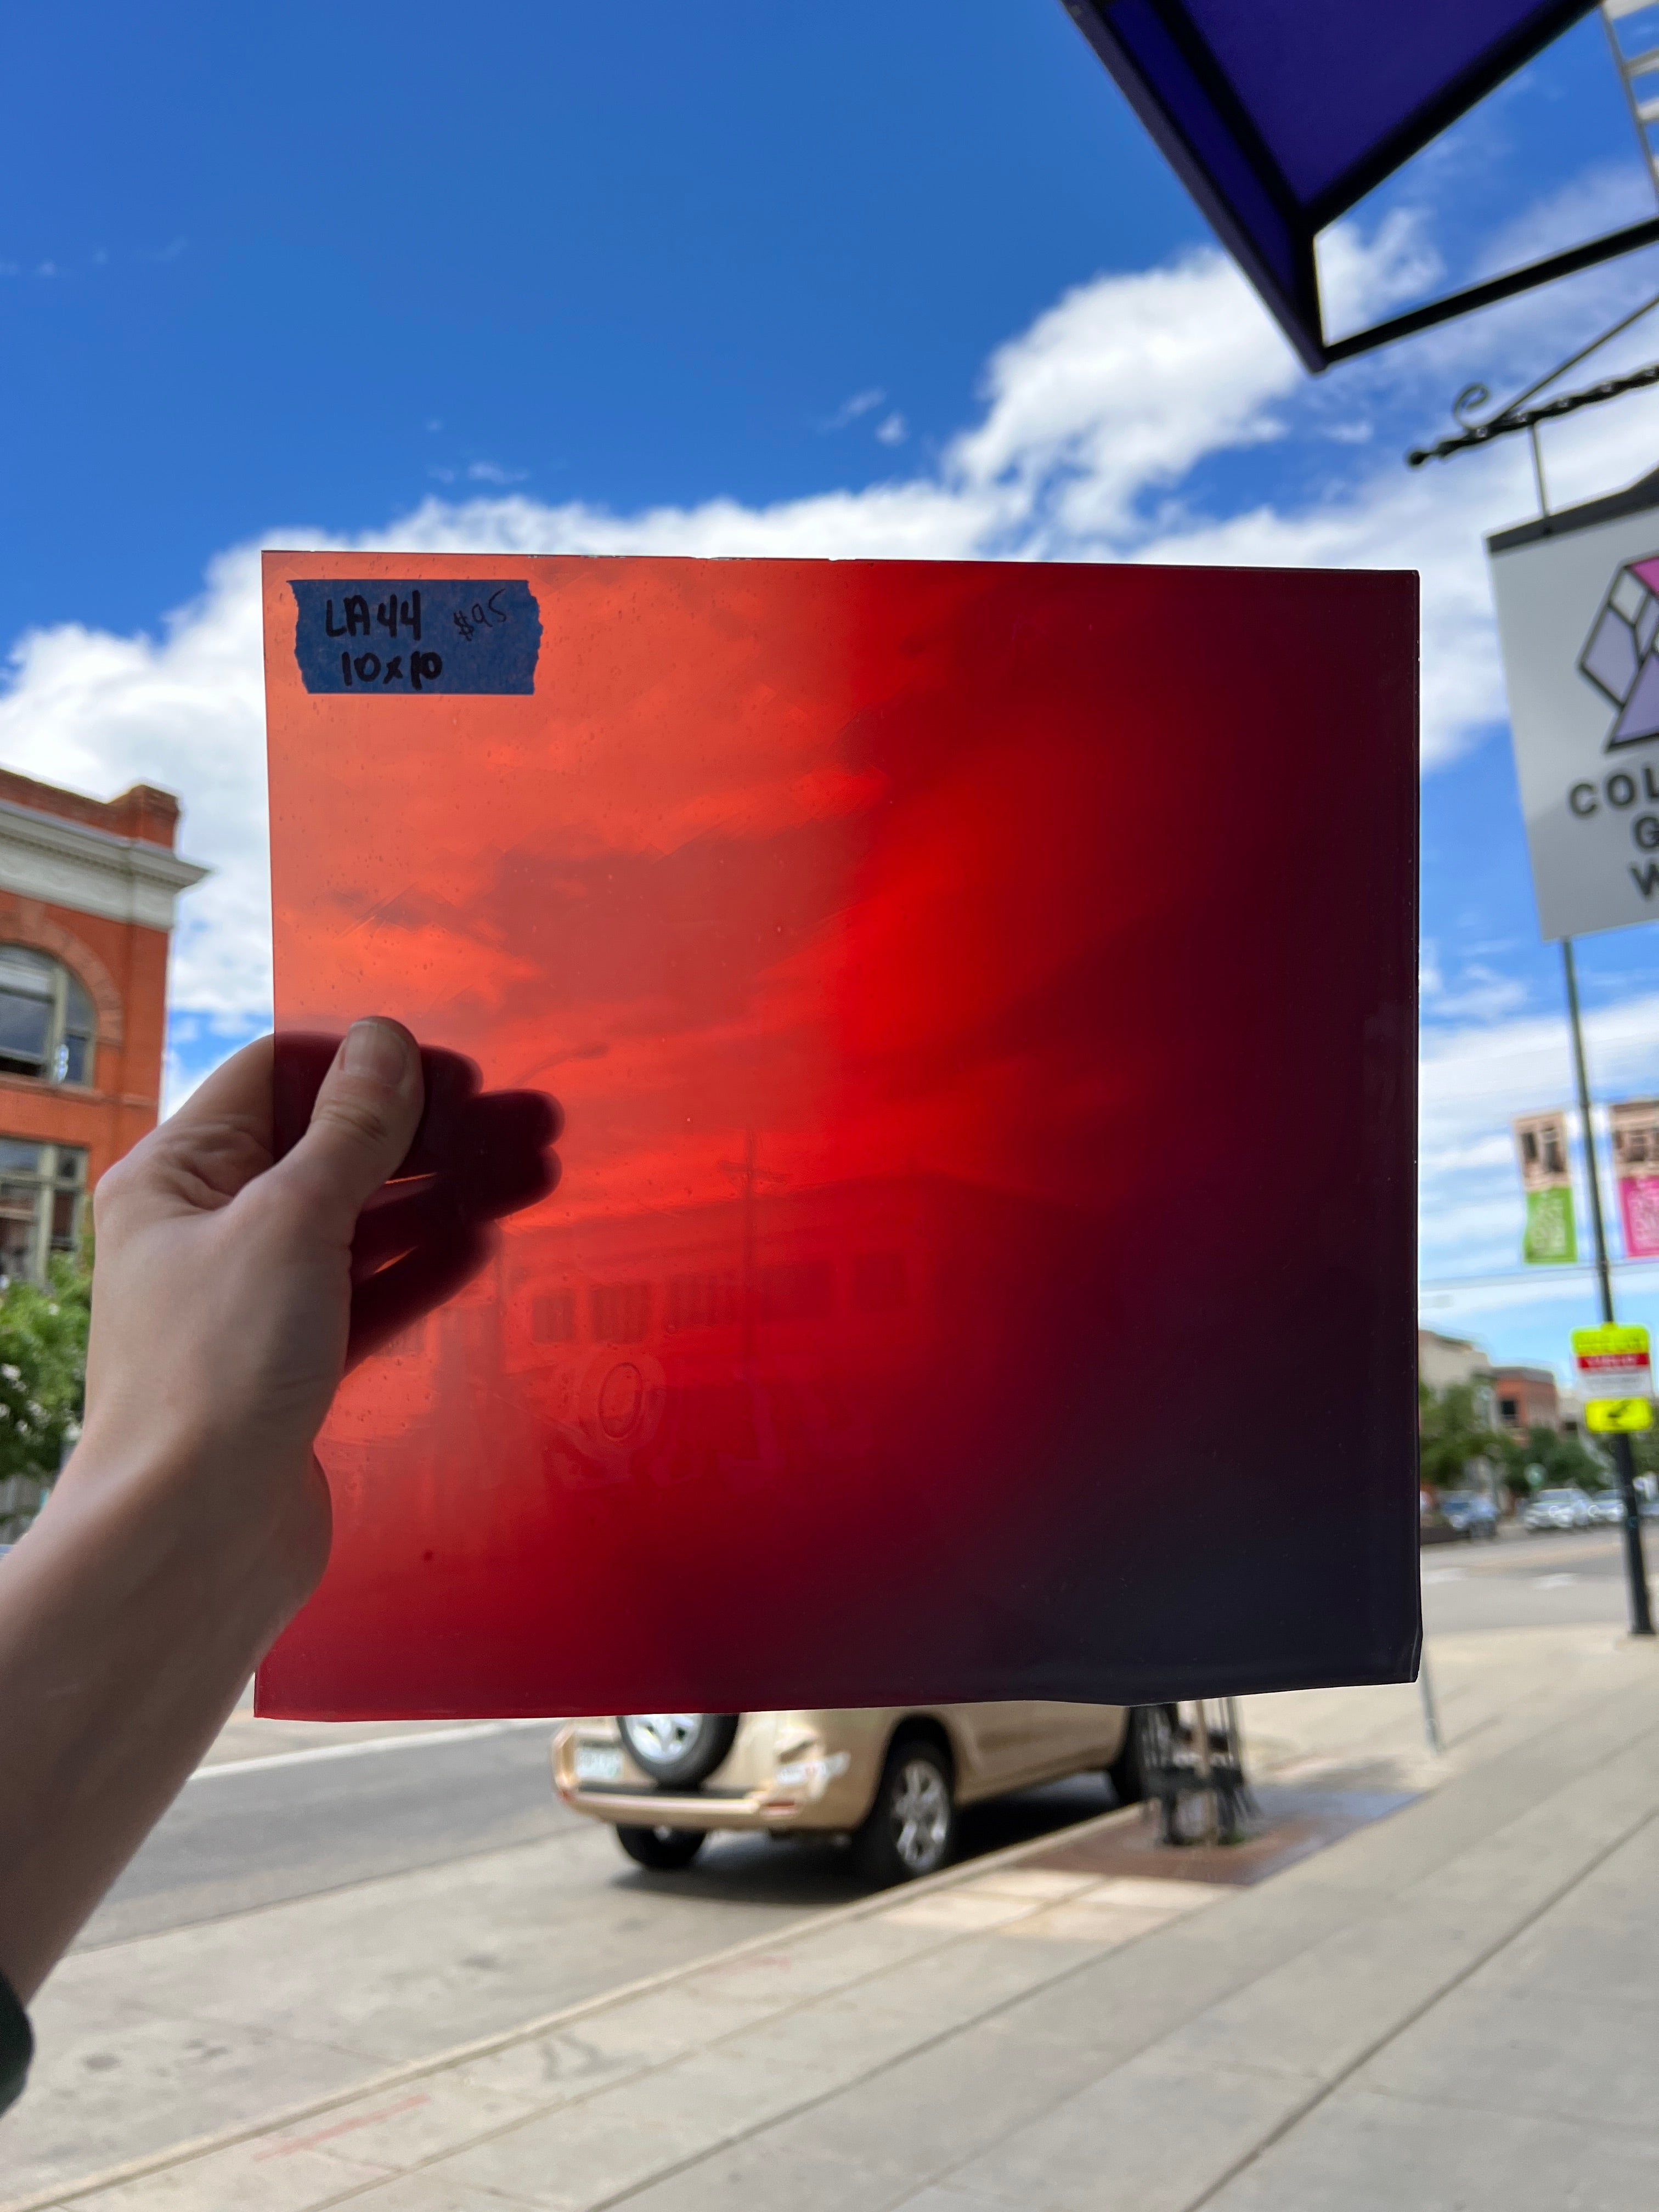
{"points": [[1613, 1362]]}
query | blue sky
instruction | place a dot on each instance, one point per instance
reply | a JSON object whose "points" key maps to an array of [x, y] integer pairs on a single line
{"points": [[743, 278], [630, 255]]}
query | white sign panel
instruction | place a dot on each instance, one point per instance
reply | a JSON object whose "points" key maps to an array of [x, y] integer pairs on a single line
{"points": [[1578, 622]]}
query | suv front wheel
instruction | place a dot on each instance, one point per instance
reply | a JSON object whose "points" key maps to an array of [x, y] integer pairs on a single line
{"points": [[913, 1823]]}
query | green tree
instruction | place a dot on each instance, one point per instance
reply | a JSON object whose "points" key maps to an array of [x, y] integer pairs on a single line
{"points": [[43, 1370], [1558, 1460], [1451, 1430]]}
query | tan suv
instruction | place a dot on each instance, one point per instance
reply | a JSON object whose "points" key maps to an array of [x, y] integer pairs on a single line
{"points": [[889, 1779]]}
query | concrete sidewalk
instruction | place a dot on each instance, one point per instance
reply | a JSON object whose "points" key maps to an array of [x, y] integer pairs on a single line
{"points": [[1455, 2006]]}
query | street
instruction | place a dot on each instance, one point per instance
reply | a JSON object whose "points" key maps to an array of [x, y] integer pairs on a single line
{"points": [[238, 1840], [1531, 1582], [300, 1924], [293, 1825], [323, 1905]]}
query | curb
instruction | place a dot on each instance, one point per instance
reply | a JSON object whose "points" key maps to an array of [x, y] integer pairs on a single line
{"points": [[415, 2070]]}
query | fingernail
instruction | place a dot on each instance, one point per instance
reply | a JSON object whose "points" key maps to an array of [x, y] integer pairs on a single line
{"points": [[379, 1050]]}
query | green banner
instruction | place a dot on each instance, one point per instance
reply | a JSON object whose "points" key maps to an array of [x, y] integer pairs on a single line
{"points": [[1552, 1237]]}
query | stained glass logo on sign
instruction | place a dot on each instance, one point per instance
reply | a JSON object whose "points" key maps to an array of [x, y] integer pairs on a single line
{"points": [[1619, 656]]}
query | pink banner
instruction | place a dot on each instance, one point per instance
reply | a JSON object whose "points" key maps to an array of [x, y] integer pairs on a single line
{"points": [[1638, 1206]]}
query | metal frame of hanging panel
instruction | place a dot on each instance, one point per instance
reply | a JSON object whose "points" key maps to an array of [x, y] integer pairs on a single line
{"points": [[1293, 294]]}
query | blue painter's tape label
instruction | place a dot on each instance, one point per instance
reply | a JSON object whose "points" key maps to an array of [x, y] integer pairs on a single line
{"points": [[469, 636]]}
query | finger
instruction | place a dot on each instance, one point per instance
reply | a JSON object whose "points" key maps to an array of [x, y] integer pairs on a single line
{"points": [[299, 1060], [361, 1124], [397, 1218], [452, 1082], [411, 1287], [303, 1059], [408, 1213], [503, 1162]]}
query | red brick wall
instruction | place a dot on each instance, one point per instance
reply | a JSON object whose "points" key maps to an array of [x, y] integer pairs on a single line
{"points": [[123, 968], [141, 811], [1536, 1403]]}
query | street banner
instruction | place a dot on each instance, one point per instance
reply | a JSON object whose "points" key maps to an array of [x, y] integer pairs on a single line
{"points": [[1551, 1237], [1615, 1377], [934, 964], [1635, 1123], [1578, 599]]}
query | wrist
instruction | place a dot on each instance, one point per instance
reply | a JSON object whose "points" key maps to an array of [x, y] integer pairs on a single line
{"points": [[248, 1535]]}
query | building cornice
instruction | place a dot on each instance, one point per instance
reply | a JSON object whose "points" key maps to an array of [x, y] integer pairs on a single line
{"points": [[70, 864]]}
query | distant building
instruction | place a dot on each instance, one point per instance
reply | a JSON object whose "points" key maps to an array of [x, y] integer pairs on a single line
{"points": [[1443, 1361], [87, 889], [1526, 1398]]}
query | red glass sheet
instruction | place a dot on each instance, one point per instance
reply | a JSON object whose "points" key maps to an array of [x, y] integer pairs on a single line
{"points": [[981, 1000]]}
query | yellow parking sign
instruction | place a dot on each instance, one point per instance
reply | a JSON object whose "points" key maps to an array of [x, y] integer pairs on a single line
{"points": [[1614, 1416], [1615, 1378]]}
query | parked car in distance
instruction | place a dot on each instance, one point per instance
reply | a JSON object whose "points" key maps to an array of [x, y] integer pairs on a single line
{"points": [[1469, 1513], [1607, 1508], [888, 1779], [1558, 1509]]}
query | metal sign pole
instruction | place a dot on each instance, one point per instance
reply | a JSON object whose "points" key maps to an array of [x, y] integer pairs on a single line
{"points": [[1641, 1613]]}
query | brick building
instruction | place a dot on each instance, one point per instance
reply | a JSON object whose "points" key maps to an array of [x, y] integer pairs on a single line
{"points": [[1527, 1397], [87, 890]]}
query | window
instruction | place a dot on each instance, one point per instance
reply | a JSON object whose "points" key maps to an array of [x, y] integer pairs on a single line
{"points": [[553, 1318], [622, 1312], [46, 1023], [1509, 1411], [703, 1301], [42, 1193]]}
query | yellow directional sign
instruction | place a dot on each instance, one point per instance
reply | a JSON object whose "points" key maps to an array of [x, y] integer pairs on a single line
{"points": [[1611, 1416]]}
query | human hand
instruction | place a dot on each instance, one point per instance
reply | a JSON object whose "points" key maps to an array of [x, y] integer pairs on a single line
{"points": [[224, 1293], [235, 1287], [248, 1250]]}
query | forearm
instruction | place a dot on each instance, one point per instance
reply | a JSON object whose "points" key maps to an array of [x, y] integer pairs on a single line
{"points": [[130, 1618]]}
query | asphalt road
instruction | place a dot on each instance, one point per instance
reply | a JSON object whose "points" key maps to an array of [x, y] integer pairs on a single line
{"points": [[298, 1826], [1577, 1577]]}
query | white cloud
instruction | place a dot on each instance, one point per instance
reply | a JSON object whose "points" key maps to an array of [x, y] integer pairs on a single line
{"points": [[893, 430], [1362, 278], [186, 711], [1092, 437], [861, 403], [1119, 391], [1480, 994], [1607, 197], [492, 472]]}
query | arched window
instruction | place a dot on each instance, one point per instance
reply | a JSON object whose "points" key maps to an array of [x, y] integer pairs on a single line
{"points": [[47, 1027]]}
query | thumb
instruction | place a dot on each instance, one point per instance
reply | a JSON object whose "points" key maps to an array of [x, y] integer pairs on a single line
{"points": [[363, 1123]]}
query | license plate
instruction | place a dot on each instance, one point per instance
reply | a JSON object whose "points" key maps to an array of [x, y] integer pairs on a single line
{"points": [[598, 1762]]}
